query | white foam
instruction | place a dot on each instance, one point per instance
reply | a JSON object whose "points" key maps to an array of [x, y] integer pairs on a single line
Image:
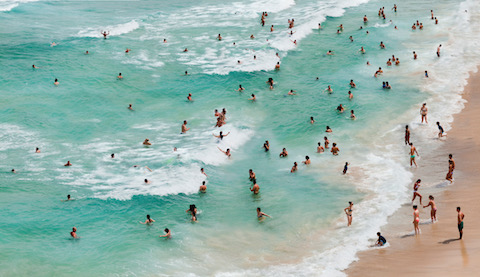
{"points": [[8, 5], [114, 30]]}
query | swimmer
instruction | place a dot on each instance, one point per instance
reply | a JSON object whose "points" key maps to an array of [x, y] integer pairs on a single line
{"points": [[254, 98], [147, 142], [407, 135], [69, 198], [312, 121], [382, 45], [240, 88], [394, 7], [251, 175], [365, 19], [368, 63], [189, 97], [146, 181], [440, 130], [413, 150], [414, 27], [362, 49], [203, 187], [184, 127], [352, 84], [225, 152], [426, 74], [105, 34], [185, 50], [352, 115], [436, 20], [221, 135], [294, 42], [219, 37], [340, 27], [414, 55], [460, 217], [433, 211], [86, 52], [128, 50], [351, 38], [37, 150], [340, 109], [329, 89], [130, 107], [186, 73], [255, 57], [167, 235], [266, 146], [345, 168], [328, 130], [14, 171], [349, 212], [120, 76], [431, 12], [53, 44], [284, 153], [68, 164], [335, 149], [73, 233], [294, 167], [350, 95], [203, 172], [251, 36], [34, 67], [277, 66], [112, 155], [320, 148], [389, 62], [319, 26], [291, 92], [149, 220], [438, 50], [381, 240], [424, 112], [256, 188], [327, 142], [193, 211], [387, 86], [307, 160], [261, 214], [271, 29], [330, 53], [416, 219], [416, 186], [397, 62], [56, 82], [164, 40], [421, 26], [270, 82]]}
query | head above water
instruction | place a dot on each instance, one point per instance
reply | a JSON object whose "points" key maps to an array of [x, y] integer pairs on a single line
{"points": [[148, 216]]}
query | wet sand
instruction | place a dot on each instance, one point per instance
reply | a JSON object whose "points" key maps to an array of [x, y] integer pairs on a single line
{"points": [[437, 250]]}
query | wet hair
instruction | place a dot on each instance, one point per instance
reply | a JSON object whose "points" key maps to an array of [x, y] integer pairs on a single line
{"points": [[415, 206], [258, 209], [56, 80], [203, 183], [307, 157], [334, 144], [378, 234], [351, 111], [350, 202], [328, 127], [319, 144], [406, 126], [325, 137], [185, 122], [166, 230], [311, 117], [284, 149], [112, 155], [228, 149], [146, 180], [119, 74], [68, 196], [349, 92], [148, 216]]}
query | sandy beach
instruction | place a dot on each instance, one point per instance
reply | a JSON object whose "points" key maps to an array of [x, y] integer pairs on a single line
{"points": [[437, 250]]}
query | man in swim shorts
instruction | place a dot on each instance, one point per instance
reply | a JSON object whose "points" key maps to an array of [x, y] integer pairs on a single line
{"points": [[460, 218]]}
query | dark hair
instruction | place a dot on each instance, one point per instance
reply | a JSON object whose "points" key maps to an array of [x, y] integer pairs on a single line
{"points": [[166, 230], [378, 234], [258, 209], [148, 216], [203, 183], [307, 157], [415, 206], [419, 180], [458, 208], [431, 197]]}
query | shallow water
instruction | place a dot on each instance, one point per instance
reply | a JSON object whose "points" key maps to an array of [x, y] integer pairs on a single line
{"points": [[85, 119]]}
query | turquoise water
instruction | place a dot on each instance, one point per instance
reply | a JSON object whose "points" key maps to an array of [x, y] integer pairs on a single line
{"points": [[85, 119]]}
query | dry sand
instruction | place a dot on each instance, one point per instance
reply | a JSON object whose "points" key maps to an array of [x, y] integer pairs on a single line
{"points": [[437, 251]]}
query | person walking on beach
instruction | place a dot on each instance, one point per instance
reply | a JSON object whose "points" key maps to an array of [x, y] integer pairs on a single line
{"points": [[413, 150], [460, 218], [433, 211], [423, 112], [407, 135], [416, 186], [438, 50], [349, 212], [416, 219]]}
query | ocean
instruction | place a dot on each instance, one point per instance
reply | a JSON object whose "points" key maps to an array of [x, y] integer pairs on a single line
{"points": [[85, 119]]}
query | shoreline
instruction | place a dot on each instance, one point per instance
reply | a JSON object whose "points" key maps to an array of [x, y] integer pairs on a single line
{"points": [[437, 249]]}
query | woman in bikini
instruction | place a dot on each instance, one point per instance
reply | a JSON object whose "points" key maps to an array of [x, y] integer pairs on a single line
{"points": [[423, 112], [415, 191], [433, 211], [416, 219], [348, 211], [260, 214]]}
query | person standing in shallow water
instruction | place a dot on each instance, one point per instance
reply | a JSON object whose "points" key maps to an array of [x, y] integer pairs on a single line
{"points": [[433, 211], [349, 212], [407, 135], [416, 219], [413, 151]]}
